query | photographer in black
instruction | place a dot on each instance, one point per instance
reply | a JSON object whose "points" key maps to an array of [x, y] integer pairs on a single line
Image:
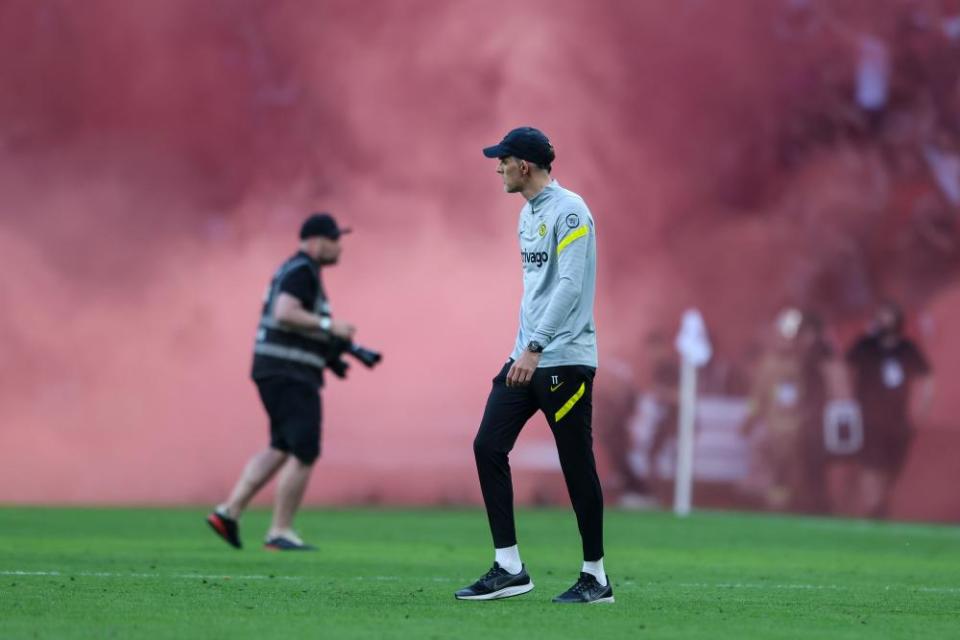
{"points": [[887, 368], [296, 339]]}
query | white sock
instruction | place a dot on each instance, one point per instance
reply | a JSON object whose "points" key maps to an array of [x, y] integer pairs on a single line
{"points": [[289, 534], [596, 570], [509, 559], [222, 510]]}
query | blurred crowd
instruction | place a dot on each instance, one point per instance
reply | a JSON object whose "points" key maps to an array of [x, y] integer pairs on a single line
{"points": [[817, 408], [828, 430]]}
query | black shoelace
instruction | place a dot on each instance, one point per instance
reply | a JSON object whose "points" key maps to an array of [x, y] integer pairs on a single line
{"points": [[582, 585], [493, 572]]}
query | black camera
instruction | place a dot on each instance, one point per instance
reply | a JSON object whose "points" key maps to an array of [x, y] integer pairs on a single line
{"points": [[339, 366]]}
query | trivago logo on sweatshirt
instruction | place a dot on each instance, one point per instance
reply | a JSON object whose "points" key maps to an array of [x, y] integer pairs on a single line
{"points": [[538, 258]]}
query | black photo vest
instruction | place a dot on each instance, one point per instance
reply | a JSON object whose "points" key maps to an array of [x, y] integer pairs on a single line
{"points": [[283, 350]]}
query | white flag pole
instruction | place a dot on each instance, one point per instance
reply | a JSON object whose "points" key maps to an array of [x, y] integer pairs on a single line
{"points": [[695, 351], [683, 488]]}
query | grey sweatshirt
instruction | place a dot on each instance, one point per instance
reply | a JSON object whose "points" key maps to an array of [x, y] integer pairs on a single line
{"points": [[558, 250]]}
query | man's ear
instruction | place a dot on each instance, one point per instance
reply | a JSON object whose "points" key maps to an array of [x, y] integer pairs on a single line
{"points": [[524, 167]]}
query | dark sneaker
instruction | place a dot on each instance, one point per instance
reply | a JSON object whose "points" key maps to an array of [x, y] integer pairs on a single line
{"points": [[280, 543], [586, 591], [497, 583], [226, 528]]}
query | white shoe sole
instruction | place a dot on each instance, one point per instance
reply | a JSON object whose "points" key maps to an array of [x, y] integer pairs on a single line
{"points": [[607, 600], [507, 592]]}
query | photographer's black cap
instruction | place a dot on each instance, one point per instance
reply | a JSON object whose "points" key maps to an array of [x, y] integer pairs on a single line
{"points": [[525, 143], [321, 224]]}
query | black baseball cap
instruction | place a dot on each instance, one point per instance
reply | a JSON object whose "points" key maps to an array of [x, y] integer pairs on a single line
{"points": [[525, 143], [321, 224]]}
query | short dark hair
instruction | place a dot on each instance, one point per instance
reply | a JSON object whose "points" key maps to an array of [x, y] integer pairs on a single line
{"points": [[546, 167]]}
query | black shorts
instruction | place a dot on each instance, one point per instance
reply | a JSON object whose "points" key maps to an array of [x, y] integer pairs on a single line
{"points": [[295, 416], [885, 448]]}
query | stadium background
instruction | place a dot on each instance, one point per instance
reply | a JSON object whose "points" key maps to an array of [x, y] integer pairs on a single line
{"points": [[155, 160]]}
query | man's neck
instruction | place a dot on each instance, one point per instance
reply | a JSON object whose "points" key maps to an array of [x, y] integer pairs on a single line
{"points": [[890, 340], [305, 251], [537, 184]]}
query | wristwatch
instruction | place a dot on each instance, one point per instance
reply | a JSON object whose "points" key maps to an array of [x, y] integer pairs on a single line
{"points": [[325, 323], [534, 347]]}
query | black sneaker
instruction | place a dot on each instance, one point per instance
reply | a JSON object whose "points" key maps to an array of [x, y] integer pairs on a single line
{"points": [[497, 583], [586, 591], [280, 543], [226, 528]]}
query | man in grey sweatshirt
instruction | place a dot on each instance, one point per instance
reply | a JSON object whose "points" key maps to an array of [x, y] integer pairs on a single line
{"points": [[551, 369]]}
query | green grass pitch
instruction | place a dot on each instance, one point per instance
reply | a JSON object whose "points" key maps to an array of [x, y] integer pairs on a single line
{"points": [[160, 573]]}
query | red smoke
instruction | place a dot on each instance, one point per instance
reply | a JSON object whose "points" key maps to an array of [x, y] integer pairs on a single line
{"points": [[155, 160]]}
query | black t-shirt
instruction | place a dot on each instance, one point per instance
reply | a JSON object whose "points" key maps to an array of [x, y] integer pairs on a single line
{"points": [[302, 282], [883, 376]]}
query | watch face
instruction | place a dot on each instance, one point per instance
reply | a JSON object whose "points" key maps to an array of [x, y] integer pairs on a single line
{"points": [[534, 347]]}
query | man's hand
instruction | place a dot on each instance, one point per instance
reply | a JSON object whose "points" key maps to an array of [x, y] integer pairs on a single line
{"points": [[289, 310], [521, 373], [343, 330]]}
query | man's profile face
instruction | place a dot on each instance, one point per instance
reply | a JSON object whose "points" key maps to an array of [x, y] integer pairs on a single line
{"points": [[887, 320], [509, 170], [328, 250]]}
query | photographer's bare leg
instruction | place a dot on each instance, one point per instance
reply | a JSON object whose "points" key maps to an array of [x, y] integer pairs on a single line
{"points": [[258, 472], [290, 489], [875, 486]]}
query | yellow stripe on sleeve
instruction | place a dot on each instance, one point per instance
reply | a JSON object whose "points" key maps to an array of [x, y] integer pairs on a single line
{"points": [[565, 409], [579, 233]]}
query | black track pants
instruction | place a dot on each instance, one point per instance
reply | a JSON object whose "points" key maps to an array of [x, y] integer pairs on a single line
{"points": [[564, 394]]}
